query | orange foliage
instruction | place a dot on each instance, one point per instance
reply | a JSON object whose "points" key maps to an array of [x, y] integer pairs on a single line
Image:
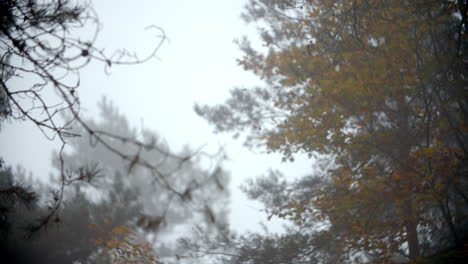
{"points": [[371, 87]]}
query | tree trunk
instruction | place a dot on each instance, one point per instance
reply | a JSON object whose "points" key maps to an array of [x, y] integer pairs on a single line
{"points": [[411, 227], [404, 149]]}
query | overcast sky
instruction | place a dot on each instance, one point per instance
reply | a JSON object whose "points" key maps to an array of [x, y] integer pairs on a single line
{"points": [[198, 64]]}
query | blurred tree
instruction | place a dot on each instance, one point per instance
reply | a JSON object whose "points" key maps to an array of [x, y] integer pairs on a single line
{"points": [[42, 49], [124, 247], [379, 87], [293, 247], [15, 197], [302, 242], [298, 245], [70, 237], [185, 194], [12, 195]]}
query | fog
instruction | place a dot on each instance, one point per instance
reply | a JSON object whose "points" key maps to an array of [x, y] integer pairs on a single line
{"points": [[244, 132]]}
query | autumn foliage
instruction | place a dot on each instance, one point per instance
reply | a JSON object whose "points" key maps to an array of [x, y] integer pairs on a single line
{"points": [[380, 88], [122, 245]]}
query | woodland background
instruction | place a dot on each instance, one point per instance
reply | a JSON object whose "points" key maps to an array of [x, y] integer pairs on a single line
{"points": [[373, 93]]}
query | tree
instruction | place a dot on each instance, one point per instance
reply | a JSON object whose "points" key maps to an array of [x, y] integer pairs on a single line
{"points": [[297, 246], [71, 236], [42, 53], [303, 241], [185, 194], [272, 249], [108, 218], [377, 87], [15, 197], [12, 195], [40, 42], [123, 247]]}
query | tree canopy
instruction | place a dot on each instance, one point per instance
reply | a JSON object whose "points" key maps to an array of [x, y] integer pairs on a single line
{"points": [[379, 87]]}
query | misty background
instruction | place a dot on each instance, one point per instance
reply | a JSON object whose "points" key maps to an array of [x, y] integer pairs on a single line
{"points": [[197, 64], [176, 132]]}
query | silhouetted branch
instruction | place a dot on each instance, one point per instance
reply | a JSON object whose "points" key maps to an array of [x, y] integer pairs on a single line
{"points": [[37, 43]]}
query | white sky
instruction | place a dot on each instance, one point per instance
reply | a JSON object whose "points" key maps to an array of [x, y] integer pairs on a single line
{"points": [[197, 65]]}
